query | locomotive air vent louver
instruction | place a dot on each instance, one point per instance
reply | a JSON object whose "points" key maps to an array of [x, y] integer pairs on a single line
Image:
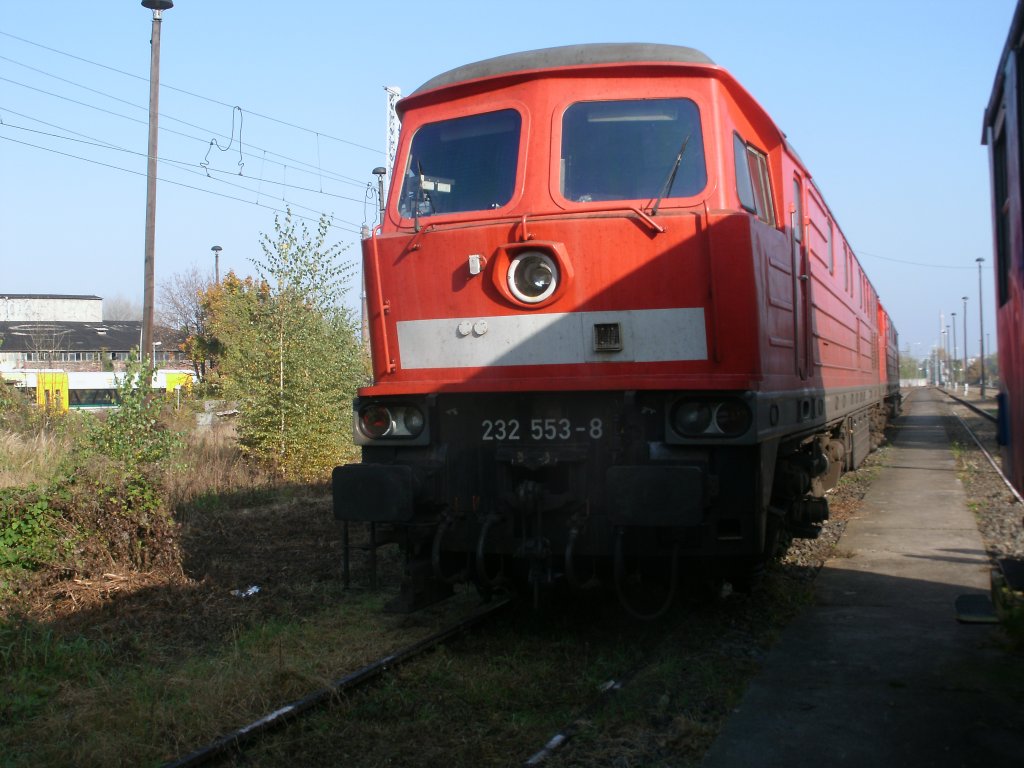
{"points": [[607, 337]]}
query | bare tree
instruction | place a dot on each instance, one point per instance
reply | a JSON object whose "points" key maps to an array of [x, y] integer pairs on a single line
{"points": [[49, 342], [178, 303], [180, 307], [121, 308]]}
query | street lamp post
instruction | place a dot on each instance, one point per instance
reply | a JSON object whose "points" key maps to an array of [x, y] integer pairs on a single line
{"points": [[955, 357], [965, 344], [981, 330], [944, 357], [158, 7], [949, 360], [153, 358], [216, 263]]}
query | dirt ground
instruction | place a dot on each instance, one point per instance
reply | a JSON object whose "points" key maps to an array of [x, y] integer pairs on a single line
{"points": [[246, 564], [239, 565]]}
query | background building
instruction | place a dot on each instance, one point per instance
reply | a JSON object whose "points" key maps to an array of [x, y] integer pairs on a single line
{"points": [[48, 331]]}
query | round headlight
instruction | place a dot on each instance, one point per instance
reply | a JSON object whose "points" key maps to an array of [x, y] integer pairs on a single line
{"points": [[375, 421], [532, 276], [413, 420], [691, 418], [733, 417]]}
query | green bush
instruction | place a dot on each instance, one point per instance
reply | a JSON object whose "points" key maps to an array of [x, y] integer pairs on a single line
{"points": [[104, 505], [290, 355], [132, 433], [29, 532]]}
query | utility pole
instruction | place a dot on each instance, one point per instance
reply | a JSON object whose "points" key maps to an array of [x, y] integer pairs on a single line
{"points": [[940, 379], [965, 344], [945, 352], [981, 330], [956, 356], [158, 7]]}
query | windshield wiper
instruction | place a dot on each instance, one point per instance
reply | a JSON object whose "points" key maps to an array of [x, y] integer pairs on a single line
{"points": [[671, 176]]}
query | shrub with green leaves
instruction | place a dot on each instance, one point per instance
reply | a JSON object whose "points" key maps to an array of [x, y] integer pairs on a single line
{"points": [[132, 433], [290, 353], [28, 528], [104, 504]]}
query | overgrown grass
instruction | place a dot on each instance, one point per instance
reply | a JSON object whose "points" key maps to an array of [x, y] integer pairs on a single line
{"points": [[121, 684], [30, 458], [80, 702], [96, 663], [36, 663], [211, 472]]}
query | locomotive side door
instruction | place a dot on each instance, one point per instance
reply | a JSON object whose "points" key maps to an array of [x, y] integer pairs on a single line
{"points": [[801, 278]]}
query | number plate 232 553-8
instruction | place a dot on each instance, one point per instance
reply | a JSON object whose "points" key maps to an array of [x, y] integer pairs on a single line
{"points": [[550, 430]]}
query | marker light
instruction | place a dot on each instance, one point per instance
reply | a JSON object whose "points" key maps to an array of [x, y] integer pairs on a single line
{"points": [[375, 421], [733, 417], [412, 420], [691, 418], [394, 421]]}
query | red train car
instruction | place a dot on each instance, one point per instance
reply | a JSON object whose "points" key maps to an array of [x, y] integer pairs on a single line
{"points": [[1004, 135], [616, 329]]}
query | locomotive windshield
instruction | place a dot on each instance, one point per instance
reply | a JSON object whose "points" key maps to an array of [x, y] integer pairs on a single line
{"points": [[465, 164], [630, 150]]}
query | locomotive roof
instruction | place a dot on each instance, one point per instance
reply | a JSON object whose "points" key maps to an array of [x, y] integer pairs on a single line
{"points": [[567, 56], [1013, 40]]}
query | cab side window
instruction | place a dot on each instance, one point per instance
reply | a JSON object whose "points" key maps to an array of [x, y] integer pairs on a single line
{"points": [[753, 185]]}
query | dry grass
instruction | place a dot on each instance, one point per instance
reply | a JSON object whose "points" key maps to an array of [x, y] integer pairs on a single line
{"points": [[27, 459], [119, 713], [135, 668], [211, 466]]}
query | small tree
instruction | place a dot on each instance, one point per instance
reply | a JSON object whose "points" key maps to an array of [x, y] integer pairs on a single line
{"points": [[290, 355], [910, 367]]}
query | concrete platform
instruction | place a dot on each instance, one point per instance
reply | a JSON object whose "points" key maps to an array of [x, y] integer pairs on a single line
{"points": [[880, 672]]}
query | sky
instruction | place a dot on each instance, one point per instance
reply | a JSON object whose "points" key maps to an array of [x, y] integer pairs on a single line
{"points": [[265, 106]]}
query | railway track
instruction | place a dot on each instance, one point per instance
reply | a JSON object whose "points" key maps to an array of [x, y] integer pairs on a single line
{"points": [[978, 442], [983, 413], [577, 725], [999, 522], [560, 739], [295, 709]]}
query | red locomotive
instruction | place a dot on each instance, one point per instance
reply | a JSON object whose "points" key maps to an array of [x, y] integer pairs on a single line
{"points": [[1004, 135], [615, 329]]}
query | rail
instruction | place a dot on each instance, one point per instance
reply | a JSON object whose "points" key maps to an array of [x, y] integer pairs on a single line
{"points": [[970, 405], [977, 442], [319, 697]]}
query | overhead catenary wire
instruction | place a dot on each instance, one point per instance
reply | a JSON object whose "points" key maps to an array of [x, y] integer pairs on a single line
{"points": [[276, 209], [915, 263], [314, 169], [184, 165], [188, 93], [317, 169]]}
